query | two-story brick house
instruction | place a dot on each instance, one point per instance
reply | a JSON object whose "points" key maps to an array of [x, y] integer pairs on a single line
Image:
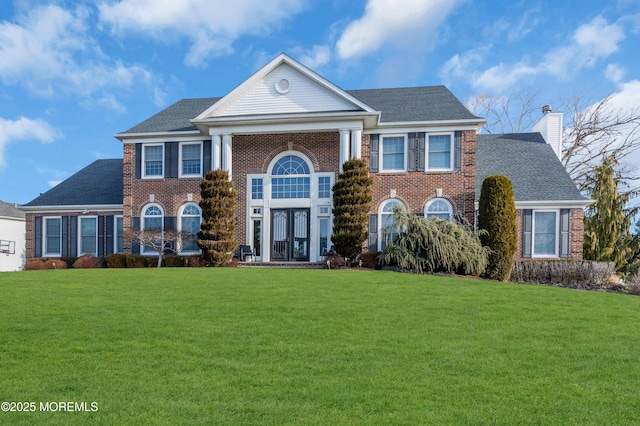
{"points": [[283, 135]]}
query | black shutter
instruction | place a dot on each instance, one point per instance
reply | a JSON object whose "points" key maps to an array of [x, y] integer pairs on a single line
{"points": [[73, 224], [135, 226], [564, 233], [206, 157], [100, 236], [457, 153], [421, 149], [171, 158], [411, 157], [373, 232], [526, 232], [65, 234], [170, 223], [374, 152], [138, 160], [37, 252], [109, 225]]}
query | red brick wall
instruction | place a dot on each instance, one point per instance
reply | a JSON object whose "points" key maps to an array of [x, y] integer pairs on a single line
{"points": [[415, 189]]}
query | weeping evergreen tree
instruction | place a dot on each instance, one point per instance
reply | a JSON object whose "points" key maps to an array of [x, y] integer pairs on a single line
{"points": [[497, 216], [351, 205], [217, 236], [607, 222], [431, 245]]}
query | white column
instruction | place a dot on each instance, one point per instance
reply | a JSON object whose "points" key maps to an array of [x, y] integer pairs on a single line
{"points": [[356, 144], [216, 152], [344, 146], [226, 153]]}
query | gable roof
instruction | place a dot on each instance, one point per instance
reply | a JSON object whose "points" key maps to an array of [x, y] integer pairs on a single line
{"points": [[531, 165], [10, 210], [426, 103], [99, 184], [175, 118]]}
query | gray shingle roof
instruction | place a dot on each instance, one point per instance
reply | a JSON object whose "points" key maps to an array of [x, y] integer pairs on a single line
{"points": [[530, 163], [175, 118], [426, 103], [10, 210], [100, 183]]}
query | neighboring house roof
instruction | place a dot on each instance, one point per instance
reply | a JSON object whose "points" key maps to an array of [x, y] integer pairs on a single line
{"points": [[427, 103], [10, 210], [409, 104], [529, 162], [100, 183]]}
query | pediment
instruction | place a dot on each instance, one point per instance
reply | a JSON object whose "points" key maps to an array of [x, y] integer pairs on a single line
{"points": [[283, 87]]}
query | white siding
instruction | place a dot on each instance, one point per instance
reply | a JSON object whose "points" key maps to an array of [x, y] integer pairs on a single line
{"points": [[13, 230], [304, 95]]}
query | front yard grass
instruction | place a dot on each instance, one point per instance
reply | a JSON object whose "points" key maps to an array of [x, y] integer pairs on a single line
{"points": [[276, 346]]}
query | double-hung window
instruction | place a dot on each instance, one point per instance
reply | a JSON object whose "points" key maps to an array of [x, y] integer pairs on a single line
{"points": [[88, 235], [191, 160], [545, 233], [393, 156], [52, 236], [153, 156], [152, 222], [440, 153], [438, 208], [190, 219]]}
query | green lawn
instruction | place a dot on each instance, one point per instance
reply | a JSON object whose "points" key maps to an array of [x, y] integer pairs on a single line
{"points": [[271, 346]]}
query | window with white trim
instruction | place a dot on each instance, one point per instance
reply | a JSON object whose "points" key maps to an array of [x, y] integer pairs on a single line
{"points": [[152, 220], [389, 231], [291, 187], [440, 149], [393, 153], [545, 233], [153, 156], [190, 219], [438, 208], [256, 189], [191, 159], [87, 235], [52, 236], [324, 187]]}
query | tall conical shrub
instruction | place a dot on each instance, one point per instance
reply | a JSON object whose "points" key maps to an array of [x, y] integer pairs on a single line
{"points": [[217, 236], [497, 216], [351, 205]]}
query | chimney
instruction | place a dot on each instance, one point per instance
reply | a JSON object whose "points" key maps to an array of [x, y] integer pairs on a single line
{"points": [[550, 127]]}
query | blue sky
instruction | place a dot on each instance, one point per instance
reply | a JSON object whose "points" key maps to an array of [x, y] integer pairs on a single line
{"points": [[74, 73]]}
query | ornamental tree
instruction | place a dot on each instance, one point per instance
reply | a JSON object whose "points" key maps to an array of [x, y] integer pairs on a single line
{"points": [[497, 216], [217, 236], [351, 204]]}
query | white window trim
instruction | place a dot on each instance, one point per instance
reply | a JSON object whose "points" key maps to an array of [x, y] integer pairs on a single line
{"points": [[44, 237], [451, 152], [142, 223], [116, 235], [533, 234], [144, 162], [381, 169], [381, 213], [181, 213], [180, 165], [433, 200], [79, 243]]}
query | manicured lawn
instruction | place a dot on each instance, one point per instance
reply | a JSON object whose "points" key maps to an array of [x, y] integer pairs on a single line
{"points": [[270, 346]]}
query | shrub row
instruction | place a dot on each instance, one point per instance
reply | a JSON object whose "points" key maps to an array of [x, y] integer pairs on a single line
{"points": [[580, 274], [116, 260]]}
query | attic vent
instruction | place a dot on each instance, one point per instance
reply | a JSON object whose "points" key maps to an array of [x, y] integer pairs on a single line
{"points": [[282, 86], [547, 108]]}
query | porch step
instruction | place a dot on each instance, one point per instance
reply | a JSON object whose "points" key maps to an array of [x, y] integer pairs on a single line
{"points": [[296, 265]]}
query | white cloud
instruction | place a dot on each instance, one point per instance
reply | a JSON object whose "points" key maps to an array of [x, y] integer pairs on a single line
{"points": [[24, 129], [393, 22], [314, 58], [212, 26], [53, 183], [52, 51], [614, 73], [590, 43], [458, 65]]}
